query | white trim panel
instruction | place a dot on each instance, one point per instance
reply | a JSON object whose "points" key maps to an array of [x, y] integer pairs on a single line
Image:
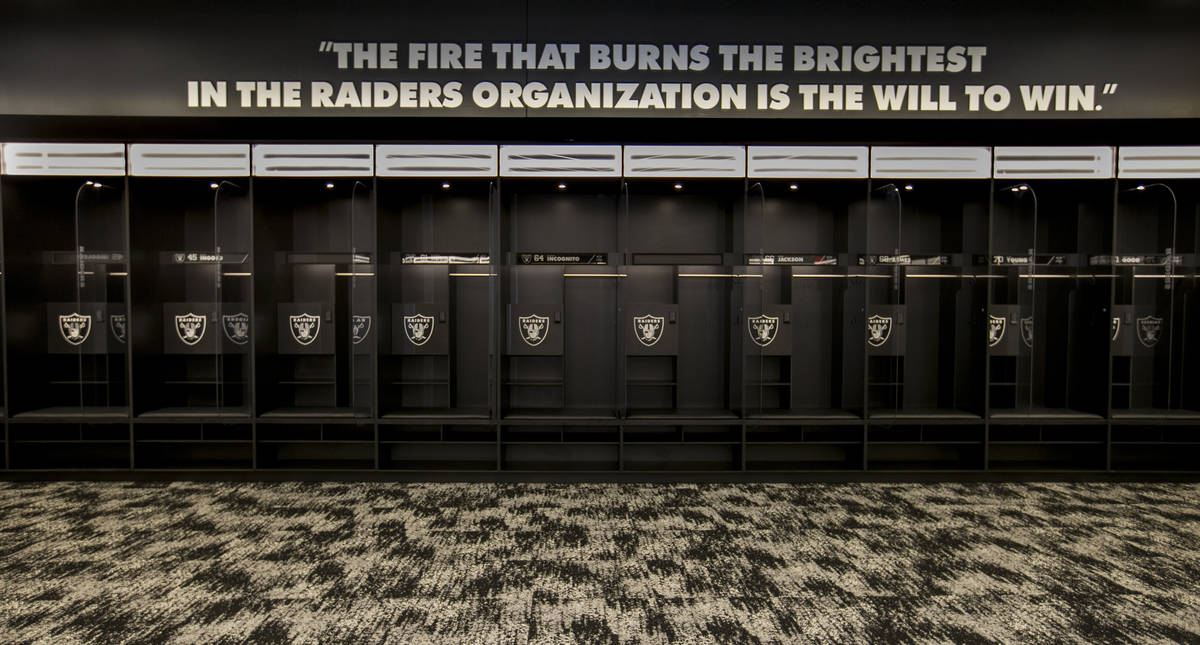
{"points": [[316, 160], [72, 159], [436, 161], [189, 160], [808, 162], [910, 162], [674, 162], [560, 161], [1158, 162], [1054, 162]]}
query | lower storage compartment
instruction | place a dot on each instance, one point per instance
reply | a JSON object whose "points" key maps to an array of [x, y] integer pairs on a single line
{"points": [[560, 456], [438, 456], [317, 455], [683, 457]]}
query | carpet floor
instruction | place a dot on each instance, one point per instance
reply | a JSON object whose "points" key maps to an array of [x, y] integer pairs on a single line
{"points": [[86, 562]]}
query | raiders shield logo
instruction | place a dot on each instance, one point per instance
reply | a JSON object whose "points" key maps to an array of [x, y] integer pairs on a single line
{"points": [[997, 325], [763, 329], [360, 326], [117, 323], [1116, 327], [75, 328], [534, 329], [305, 328], [1027, 331], [879, 329], [418, 329], [1149, 330], [237, 328], [190, 328], [648, 329]]}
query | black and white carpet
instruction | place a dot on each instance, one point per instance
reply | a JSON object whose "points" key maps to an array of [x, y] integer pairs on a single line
{"points": [[192, 563]]}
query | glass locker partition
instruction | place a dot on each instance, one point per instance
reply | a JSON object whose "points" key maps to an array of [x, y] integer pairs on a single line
{"points": [[192, 276], [67, 265], [315, 317]]}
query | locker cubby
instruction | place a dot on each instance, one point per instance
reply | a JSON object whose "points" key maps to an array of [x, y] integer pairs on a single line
{"points": [[800, 236], [681, 240], [192, 286], [435, 299], [1154, 262], [315, 319], [784, 446], [408, 446], [66, 266], [558, 301], [924, 331], [1052, 298]]}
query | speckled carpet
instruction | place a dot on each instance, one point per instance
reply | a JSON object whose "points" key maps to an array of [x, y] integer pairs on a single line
{"points": [[599, 563]]}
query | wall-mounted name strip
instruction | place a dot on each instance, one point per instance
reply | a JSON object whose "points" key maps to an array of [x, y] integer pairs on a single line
{"points": [[756, 259], [562, 258]]}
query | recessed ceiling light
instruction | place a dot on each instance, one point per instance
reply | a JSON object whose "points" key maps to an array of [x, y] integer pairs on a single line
{"points": [[793, 187], [445, 185], [678, 186], [562, 186], [329, 185]]}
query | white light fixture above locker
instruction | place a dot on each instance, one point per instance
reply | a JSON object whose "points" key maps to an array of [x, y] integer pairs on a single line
{"points": [[69, 159], [465, 160], [315, 160], [911, 162], [1158, 162], [1054, 162], [807, 162], [560, 161], [189, 160], [675, 162]]}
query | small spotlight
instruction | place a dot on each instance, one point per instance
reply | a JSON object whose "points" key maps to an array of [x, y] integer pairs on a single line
{"points": [[907, 186], [329, 185], [213, 186], [1140, 188], [793, 187], [87, 183], [1022, 187], [562, 186], [445, 185], [1014, 189], [97, 185], [678, 186]]}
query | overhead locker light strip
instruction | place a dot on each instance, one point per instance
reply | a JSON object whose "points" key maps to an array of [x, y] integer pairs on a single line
{"points": [[903, 162], [70, 159], [807, 162], [681, 162], [1054, 162], [436, 161], [300, 160], [189, 160], [560, 161], [1158, 162]]}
